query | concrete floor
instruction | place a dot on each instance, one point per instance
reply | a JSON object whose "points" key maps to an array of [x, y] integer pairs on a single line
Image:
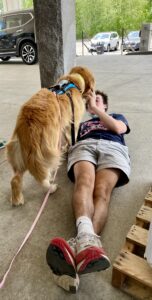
{"points": [[127, 80]]}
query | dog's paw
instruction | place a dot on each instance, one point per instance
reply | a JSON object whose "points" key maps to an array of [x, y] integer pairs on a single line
{"points": [[17, 202], [53, 188]]}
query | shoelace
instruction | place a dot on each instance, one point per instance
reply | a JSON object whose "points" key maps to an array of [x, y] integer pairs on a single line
{"points": [[86, 240], [72, 244]]}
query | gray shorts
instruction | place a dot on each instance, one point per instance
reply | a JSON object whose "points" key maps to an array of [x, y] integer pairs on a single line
{"points": [[103, 154]]}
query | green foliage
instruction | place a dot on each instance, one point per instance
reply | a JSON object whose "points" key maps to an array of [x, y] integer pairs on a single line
{"points": [[27, 3], [1, 5], [149, 10], [93, 16]]}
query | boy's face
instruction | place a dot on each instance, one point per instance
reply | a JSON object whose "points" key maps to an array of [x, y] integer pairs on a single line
{"points": [[99, 103]]}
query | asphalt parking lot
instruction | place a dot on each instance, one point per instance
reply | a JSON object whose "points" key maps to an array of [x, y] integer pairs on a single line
{"points": [[81, 50]]}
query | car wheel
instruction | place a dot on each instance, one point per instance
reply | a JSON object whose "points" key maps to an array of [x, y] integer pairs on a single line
{"points": [[6, 58], [29, 53], [108, 48]]}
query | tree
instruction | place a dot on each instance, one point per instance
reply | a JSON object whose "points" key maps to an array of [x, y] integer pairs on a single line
{"points": [[149, 10], [108, 15]]}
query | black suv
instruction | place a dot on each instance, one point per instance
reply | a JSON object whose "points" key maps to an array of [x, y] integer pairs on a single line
{"points": [[17, 37]]}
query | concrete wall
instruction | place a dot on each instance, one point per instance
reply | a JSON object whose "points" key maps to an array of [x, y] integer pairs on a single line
{"points": [[146, 37], [9, 5], [69, 33]]}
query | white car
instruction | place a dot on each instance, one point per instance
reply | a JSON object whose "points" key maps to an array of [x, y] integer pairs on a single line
{"points": [[107, 40]]}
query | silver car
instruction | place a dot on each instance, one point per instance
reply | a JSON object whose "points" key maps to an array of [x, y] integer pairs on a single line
{"points": [[108, 40], [132, 41]]}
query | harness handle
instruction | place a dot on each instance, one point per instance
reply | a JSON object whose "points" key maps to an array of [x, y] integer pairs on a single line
{"points": [[68, 93], [62, 87]]}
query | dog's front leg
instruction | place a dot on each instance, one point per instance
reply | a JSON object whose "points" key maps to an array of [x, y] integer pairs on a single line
{"points": [[16, 184]]}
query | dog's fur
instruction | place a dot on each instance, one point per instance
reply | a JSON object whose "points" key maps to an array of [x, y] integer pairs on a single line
{"points": [[41, 124]]}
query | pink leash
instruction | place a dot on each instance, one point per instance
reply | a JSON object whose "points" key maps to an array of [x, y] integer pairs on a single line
{"points": [[26, 237]]}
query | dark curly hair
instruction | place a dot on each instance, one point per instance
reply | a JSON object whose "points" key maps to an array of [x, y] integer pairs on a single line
{"points": [[104, 96]]}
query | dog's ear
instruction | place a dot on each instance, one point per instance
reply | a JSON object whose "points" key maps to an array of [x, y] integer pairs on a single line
{"points": [[87, 76]]}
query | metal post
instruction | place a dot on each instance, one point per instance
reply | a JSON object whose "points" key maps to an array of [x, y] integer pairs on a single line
{"points": [[122, 40], [82, 44]]}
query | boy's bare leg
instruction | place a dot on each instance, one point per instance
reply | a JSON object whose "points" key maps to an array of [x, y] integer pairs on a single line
{"points": [[83, 189], [105, 182]]}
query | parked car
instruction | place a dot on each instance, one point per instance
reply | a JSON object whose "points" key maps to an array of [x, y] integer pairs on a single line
{"points": [[109, 41], [17, 36], [132, 41]]}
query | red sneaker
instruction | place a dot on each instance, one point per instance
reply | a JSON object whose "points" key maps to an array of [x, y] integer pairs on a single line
{"points": [[90, 255], [60, 257]]}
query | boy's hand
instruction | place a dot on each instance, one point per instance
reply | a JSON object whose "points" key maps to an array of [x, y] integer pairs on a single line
{"points": [[91, 100]]}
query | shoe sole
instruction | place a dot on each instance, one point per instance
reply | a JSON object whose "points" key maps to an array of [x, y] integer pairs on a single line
{"points": [[57, 262], [96, 266]]}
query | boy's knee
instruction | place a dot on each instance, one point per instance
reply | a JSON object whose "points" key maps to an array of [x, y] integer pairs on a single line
{"points": [[102, 190], [85, 179]]}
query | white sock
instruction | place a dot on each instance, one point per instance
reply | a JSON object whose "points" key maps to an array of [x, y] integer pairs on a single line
{"points": [[84, 225]]}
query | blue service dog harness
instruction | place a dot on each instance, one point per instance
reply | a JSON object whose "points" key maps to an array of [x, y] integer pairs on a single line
{"points": [[63, 87]]}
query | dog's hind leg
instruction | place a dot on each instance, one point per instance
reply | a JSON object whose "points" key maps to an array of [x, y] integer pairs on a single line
{"points": [[16, 184], [51, 186], [48, 181], [15, 158]]}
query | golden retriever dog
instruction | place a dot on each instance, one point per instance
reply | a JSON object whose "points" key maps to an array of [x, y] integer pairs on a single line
{"points": [[41, 124]]}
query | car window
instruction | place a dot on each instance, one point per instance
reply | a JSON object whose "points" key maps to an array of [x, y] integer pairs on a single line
{"points": [[2, 24], [13, 21], [133, 34], [97, 36], [112, 36], [101, 36], [105, 35], [26, 18]]}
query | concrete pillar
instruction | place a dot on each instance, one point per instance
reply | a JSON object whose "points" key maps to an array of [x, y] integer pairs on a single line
{"points": [[9, 5], [56, 38], [146, 37]]}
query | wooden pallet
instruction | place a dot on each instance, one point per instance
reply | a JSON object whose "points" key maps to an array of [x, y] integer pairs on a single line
{"points": [[131, 272]]}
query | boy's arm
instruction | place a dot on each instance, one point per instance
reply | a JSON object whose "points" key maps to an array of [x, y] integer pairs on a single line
{"points": [[110, 123]]}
